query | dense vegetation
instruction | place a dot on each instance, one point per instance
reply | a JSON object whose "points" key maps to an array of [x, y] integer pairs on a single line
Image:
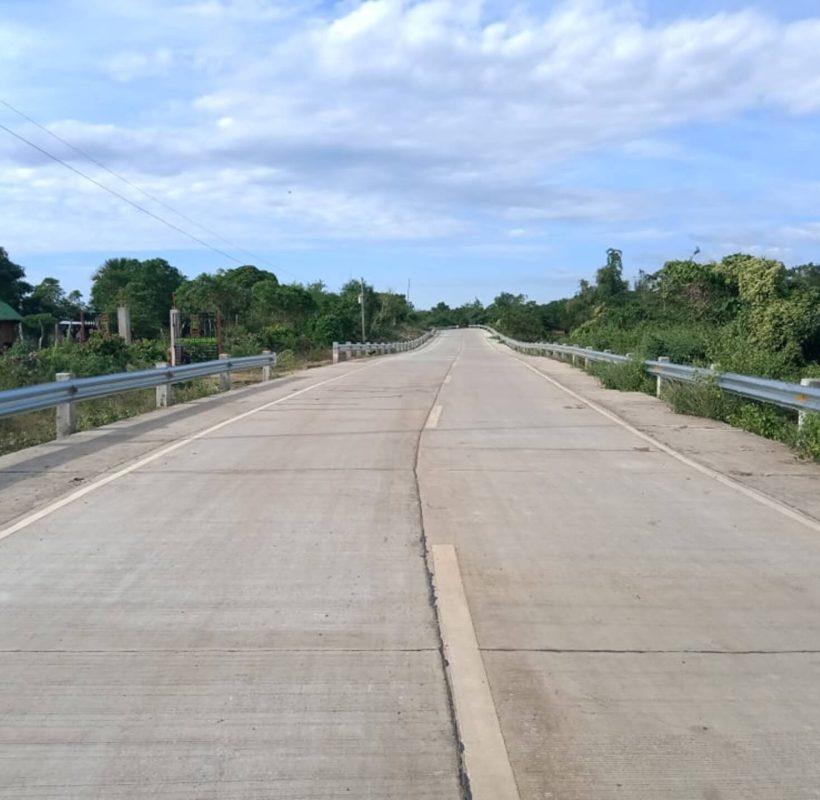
{"points": [[256, 312], [744, 313]]}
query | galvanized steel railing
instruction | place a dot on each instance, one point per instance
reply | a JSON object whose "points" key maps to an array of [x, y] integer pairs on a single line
{"points": [[67, 390], [353, 349], [804, 396]]}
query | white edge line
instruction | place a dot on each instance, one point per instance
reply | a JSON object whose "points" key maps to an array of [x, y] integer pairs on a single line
{"points": [[485, 757], [110, 478], [433, 417], [754, 494]]}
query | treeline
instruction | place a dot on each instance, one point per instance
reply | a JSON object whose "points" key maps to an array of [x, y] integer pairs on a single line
{"points": [[256, 310], [744, 313]]}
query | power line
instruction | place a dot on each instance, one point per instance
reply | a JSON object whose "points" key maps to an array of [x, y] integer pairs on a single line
{"points": [[117, 194], [133, 185]]}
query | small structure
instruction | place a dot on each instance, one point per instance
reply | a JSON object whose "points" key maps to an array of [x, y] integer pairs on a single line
{"points": [[77, 330], [10, 322]]}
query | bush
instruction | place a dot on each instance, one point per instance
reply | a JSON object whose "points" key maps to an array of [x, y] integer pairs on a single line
{"points": [[700, 399], [200, 349], [240, 342], [279, 338], [626, 377], [808, 438], [328, 328], [145, 353], [765, 420], [286, 359]]}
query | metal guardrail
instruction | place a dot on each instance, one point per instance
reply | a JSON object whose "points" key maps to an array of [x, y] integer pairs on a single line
{"points": [[800, 397], [67, 390], [354, 349]]}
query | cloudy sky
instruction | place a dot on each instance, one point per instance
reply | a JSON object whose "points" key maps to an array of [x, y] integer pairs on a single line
{"points": [[470, 147]]}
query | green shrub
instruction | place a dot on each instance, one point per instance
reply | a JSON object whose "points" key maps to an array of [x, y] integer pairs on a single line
{"points": [[279, 337], [628, 376], [808, 438], [286, 359], [145, 353], [700, 399], [200, 349], [241, 342], [765, 420]]}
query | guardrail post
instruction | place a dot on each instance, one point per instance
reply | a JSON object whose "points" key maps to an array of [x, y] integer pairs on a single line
{"points": [[163, 389], [586, 360], [66, 412], [659, 378], [335, 352], [224, 377], [266, 368], [813, 383]]}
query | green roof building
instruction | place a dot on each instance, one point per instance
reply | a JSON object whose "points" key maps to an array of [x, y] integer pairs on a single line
{"points": [[10, 322]]}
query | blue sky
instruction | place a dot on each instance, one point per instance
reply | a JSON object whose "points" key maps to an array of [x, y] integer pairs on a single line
{"points": [[469, 147]]}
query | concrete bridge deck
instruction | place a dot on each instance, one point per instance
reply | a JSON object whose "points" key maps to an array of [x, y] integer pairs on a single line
{"points": [[232, 599]]}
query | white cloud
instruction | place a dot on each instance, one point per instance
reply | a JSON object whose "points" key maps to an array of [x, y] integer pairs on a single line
{"points": [[412, 120], [131, 66], [808, 231]]}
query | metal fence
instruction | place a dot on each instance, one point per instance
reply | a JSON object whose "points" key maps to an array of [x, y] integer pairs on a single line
{"points": [[67, 389], [801, 397], [354, 349]]}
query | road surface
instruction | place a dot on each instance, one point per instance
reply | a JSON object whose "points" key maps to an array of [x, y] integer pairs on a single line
{"points": [[240, 604]]}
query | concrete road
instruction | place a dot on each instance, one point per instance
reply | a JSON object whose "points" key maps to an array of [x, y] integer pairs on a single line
{"points": [[246, 616], [244, 611], [647, 631]]}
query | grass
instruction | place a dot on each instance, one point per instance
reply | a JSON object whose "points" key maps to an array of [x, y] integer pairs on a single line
{"points": [[628, 376], [38, 427]]}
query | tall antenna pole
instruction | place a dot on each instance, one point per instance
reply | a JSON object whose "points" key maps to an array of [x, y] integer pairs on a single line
{"points": [[361, 300], [408, 290]]}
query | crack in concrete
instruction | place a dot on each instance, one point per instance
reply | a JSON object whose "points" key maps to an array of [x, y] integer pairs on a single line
{"points": [[464, 778]]}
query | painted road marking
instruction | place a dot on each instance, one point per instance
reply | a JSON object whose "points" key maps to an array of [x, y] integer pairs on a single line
{"points": [[433, 418], [104, 481], [486, 762], [448, 379]]}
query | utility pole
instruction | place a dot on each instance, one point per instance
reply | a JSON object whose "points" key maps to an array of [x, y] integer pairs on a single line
{"points": [[361, 301]]}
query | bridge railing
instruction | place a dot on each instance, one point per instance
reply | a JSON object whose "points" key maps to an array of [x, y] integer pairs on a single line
{"points": [[67, 390], [358, 349], [801, 397]]}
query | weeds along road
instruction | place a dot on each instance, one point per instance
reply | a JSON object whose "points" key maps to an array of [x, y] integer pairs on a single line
{"points": [[237, 604]]}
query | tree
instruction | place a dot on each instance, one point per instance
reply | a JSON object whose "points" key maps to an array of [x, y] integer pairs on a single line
{"points": [[805, 276], [12, 286], [609, 280], [147, 287], [523, 321], [230, 292], [393, 310]]}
